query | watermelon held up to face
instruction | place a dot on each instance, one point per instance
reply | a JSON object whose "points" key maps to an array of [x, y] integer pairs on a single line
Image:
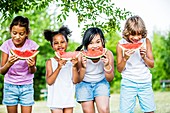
{"points": [[67, 55], [94, 54], [24, 54], [133, 46]]}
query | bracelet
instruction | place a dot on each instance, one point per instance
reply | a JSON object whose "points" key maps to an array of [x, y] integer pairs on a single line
{"points": [[108, 70]]}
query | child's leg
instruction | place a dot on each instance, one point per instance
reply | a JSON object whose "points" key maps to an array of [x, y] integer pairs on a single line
{"points": [[128, 95], [102, 94], [102, 103], [10, 97], [88, 107], [26, 95], [12, 109], [56, 110], [84, 95], [68, 110], [26, 109], [146, 98]]}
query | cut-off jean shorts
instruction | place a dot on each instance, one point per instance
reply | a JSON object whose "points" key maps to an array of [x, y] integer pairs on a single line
{"points": [[130, 91], [86, 91], [18, 94]]}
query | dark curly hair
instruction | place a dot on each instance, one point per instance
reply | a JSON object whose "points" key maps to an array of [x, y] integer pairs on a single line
{"points": [[64, 30]]}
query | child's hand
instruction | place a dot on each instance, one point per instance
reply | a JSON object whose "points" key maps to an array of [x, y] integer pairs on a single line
{"points": [[74, 61], [143, 52], [83, 59], [12, 59], [30, 62], [105, 60], [61, 62], [128, 53]]}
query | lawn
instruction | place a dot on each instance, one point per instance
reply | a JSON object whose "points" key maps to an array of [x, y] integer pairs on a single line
{"points": [[162, 100]]}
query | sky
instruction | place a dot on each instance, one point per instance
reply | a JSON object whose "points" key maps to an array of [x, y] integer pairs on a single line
{"points": [[155, 13]]}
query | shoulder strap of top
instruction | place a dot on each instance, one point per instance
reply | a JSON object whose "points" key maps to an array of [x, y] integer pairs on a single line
{"points": [[144, 41]]}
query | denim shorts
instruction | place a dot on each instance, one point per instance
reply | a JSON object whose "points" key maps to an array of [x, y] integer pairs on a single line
{"points": [[86, 91], [18, 94], [130, 91]]}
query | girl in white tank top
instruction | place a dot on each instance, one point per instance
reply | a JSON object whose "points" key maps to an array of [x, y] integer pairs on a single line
{"points": [[61, 75], [95, 75]]}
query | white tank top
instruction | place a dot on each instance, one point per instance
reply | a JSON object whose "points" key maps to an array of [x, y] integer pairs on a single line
{"points": [[61, 93], [135, 69], [94, 71]]}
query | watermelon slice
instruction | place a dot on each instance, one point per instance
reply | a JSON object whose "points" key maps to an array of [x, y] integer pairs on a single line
{"points": [[67, 55], [133, 46], [24, 54], [94, 54]]}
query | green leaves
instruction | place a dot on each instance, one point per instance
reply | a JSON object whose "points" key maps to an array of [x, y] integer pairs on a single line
{"points": [[10, 7], [161, 52], [99, 13]]}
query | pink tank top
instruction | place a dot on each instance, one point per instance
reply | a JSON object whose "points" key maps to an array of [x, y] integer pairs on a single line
{"points": [[18, 73]]}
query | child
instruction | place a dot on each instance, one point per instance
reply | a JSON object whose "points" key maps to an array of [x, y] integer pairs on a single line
{"points": [[61, 75], [94, 74], [18, 80], [134, 67]]}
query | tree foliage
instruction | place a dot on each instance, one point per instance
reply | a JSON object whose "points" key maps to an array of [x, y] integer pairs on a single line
{"points": [[86, 11], [112, 39], [161, 52], [9, 7]]}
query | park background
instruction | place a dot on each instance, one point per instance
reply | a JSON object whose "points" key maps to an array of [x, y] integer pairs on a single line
{"points": [[105, 14]]}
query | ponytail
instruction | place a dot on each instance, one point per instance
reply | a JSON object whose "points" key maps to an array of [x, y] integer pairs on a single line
{"points": [[79, 48]]}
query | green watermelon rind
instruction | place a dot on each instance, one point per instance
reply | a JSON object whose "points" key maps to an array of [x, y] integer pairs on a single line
{"points": [[129, 49], [58, 56], [24, 58], [96, 57]]}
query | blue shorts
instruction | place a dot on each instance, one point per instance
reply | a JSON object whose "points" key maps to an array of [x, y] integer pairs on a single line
{"points": [[18, 94], [86, 91], [130, 91]]}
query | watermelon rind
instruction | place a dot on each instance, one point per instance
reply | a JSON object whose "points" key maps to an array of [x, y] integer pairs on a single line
{"points": [[130, 44], [24, 58], [96, 57], [58, 56]]}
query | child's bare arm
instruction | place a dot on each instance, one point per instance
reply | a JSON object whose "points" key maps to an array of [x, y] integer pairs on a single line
{"points": [[7, 62], [147, 55], [50, 75]]}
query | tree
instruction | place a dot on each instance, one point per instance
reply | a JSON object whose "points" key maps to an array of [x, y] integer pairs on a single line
{"points": [[86, 10], [112, 39], [161, 52]]}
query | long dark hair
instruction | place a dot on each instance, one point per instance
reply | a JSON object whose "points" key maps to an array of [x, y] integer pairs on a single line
{"points": [[89, 34], [22, 22], [64, 30]]}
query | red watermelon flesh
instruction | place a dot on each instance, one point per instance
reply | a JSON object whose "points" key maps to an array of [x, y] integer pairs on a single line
{"points": [[24, 54], [94, 54], [131, 45], [67, 55]]}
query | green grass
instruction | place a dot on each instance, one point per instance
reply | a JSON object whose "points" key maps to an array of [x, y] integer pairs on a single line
{"points": [[162, 100]]}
